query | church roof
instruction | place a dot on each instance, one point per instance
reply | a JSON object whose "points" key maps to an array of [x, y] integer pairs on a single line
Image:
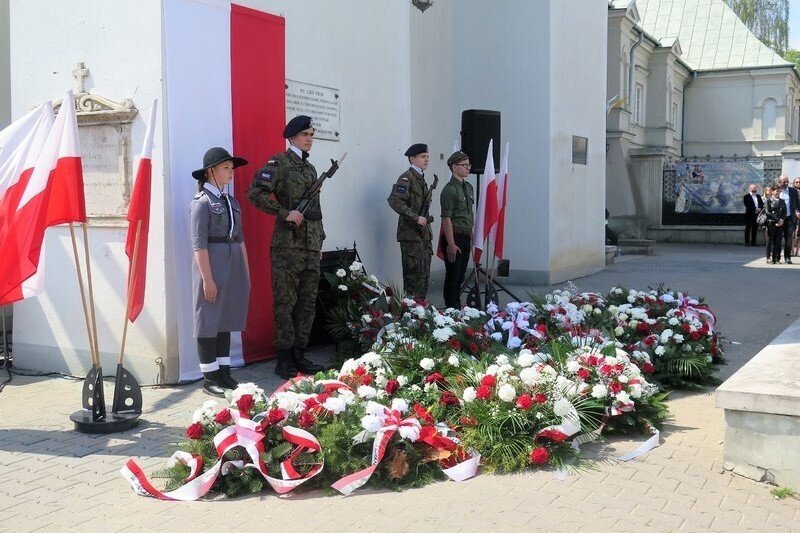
{"points": [[711, 35]]}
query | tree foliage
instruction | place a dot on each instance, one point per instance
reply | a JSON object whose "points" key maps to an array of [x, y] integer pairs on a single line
{"points": [[793, 56], [767, 19]]}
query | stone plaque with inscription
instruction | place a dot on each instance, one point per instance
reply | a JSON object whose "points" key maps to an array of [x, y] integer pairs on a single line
{"points": [[318, 102], [105, 152]]}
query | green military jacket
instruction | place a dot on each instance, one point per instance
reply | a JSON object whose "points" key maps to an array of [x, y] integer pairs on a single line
{"points": [[407, 196], [277, 189], [457, 206]]}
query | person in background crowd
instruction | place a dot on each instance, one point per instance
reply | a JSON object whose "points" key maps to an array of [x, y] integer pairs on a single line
{"points": [[220, 274], [277, 189], [791, 198], [776, 215], [796, 240], [413, 231], [753, 204], [765, 227]]}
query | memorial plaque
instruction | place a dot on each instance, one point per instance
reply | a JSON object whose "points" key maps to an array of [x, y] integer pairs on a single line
{"points": [[318, 102], [106, 169]]}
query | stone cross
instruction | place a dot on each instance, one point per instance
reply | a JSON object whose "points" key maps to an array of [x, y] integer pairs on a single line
{"points": [[80, 74]]}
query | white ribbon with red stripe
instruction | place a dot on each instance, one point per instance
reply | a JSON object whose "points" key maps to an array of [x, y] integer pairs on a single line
{"points": [[245, 433], [392, 422]]}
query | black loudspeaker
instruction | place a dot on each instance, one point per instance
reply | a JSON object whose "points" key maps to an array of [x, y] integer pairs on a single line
{"points": [[478, 126]]}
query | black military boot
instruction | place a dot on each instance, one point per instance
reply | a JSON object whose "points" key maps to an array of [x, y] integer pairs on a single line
{"points": [[285, 367], [212, 384], [226, 379], [306, 366]]}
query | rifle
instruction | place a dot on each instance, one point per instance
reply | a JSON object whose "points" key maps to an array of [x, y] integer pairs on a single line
{"points": [[313, 191], [424, 211]]}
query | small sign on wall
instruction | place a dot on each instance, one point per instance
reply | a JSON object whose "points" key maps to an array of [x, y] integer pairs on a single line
{"points": [[580, 148], [318, 102]]}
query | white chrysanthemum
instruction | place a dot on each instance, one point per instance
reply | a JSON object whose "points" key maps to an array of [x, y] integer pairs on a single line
{"points": [[678, 338], [366, 319], [623, 397], [348, 367], [341, 273], [206, 412], [566, 386], [471, 312], [367, 392], [453, 360], [335, 404], [506, 393], [673, 321], [635, 390], [373, 279], [599, 391], [573, 366], [525, 358], [443, 334], [371, 359], [492, 370], [562, 407], [427, 363], [622, 378], [247, 388], [409, 432], [529, 376], [419, 312], [612, 309], [356, 267], [667, 298], [501, 359], [611, 361], [497, 336], [659, 350], [343, 288], [399, 404], [618, 331], [287, 400], [348, 396], [402, 380], [414, 388], [666, 334], [372, 423], [428, 387], [469, 394]]}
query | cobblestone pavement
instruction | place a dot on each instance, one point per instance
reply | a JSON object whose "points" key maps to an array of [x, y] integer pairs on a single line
{"points": [[53, 478]]}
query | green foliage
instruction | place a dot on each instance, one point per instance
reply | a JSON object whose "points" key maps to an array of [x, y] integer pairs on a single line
{"points": [[781, 493], [767, 19], [793, 56]]}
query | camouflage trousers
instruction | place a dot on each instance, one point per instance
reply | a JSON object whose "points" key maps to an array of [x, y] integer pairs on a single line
{"points": [[295, 281], [416, 267]]}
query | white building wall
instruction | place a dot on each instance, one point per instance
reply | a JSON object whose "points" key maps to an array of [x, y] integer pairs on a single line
{"points": [[578, 55], [5, 73], [120, 42]]}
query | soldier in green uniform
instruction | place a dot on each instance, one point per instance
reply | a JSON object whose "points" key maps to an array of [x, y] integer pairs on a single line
{"points": [[277, 188], [457, 200], [413, 231]]}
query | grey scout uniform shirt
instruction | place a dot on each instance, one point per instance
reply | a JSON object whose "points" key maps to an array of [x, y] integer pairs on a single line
{"points": [[457, 200], [407, 196], [288, 176]]}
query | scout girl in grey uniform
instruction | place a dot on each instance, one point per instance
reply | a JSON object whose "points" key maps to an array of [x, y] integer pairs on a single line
{"points": [[220, 275]]}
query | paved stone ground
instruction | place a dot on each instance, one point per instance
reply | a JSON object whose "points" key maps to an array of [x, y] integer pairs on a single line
{"points": [[56, 479]]}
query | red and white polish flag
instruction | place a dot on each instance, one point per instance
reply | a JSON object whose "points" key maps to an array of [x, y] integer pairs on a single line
{"points": [[499, 231], [139, 216], [53, 195], [486, 213]]}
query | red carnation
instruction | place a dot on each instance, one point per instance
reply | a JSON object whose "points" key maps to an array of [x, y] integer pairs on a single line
{"points": [[539, 456], [488, 380], [685, 327], [195, 431], [583, 374], [448, 398], [650, 340], [469, 332], [642, 327], [593, 360], [615, 387], [473, 348], [539, 398], [366, 379], [223, 417], [484, 392], [306, 419], [360, 371], [423, 414], [648, 368], [552, 435], [605, 370], [245, 403], [454, 343], [695, 335], [436, 377], [525, 402], [275, 415], [391, 386]]}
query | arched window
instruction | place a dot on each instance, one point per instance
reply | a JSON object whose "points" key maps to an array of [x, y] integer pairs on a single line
{"points": [[768, 118]]}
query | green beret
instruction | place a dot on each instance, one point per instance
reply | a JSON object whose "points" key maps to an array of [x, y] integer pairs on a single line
{"points": [[456, 157]]}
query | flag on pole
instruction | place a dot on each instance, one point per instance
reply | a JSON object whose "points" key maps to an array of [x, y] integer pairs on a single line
{"points": [[139, 216], [486, 213], [58, 168], [498, 233]]}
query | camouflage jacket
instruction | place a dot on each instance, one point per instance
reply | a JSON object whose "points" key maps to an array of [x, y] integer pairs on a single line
{"points": [[407, 196], [277, 189]]}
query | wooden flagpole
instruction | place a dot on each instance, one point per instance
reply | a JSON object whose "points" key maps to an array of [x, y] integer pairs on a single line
{"points": [[91, 290], [132, 275], [95, 358]]}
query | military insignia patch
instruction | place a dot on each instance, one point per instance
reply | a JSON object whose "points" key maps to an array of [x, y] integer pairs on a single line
{"points": [[401, 188], [265, 175]]}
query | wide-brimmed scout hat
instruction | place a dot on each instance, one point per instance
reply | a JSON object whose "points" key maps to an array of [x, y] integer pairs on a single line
{"points": [[215, 156]]}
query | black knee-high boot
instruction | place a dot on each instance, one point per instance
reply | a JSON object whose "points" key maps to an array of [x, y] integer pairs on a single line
{"points": [[207, 353], [224, 360]]}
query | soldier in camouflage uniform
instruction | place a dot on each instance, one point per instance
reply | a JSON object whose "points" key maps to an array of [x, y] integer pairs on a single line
{"points": [[413, 231], [277, 188]]}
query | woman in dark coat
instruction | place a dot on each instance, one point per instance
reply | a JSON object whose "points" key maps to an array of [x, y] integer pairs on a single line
{"points": [[220, 274], [776, 211]]}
